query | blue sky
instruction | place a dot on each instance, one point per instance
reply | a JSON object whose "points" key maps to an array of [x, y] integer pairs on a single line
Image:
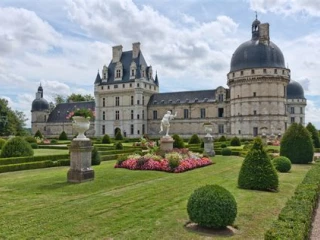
{"points": [[63, 43]]}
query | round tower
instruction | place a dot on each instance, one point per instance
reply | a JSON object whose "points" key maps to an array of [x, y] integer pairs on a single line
{"points": [[258, 82]]}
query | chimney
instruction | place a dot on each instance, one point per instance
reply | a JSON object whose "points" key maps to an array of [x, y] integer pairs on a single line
{"points": [[116, 53], [264, 33], [135, 49]]}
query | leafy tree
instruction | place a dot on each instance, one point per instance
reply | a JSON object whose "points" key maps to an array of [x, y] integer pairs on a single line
{"points": [[79, 98], [296, 144], [314, 135], [178, 141]]}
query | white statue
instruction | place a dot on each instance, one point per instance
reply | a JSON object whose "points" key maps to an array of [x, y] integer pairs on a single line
{"points": [[165, 122]]}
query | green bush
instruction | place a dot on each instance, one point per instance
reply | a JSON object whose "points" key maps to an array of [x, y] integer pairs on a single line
{"points": [[63, 136], [235, 141], [257, 171], [223, 145], [16, 147], [34, 145], [212, 206], [54, 141], [106, 139], [95, 156], [194, 139], [118, 136], [314, 135], [222, 139], [38, 134], [118, 146], [178, 141], [121, 158], [2, 142], [282, 164], [226, 151], [202, 144], [296, 144], [30, 139]]}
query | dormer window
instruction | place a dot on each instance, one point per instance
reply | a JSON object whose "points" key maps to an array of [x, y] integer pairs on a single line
{"points": [[252, 71], [104, 75], [241, 73], [132, 72], [275, 71], [118, 73]]}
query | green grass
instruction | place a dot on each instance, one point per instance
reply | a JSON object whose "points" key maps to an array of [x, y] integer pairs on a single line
{"points": [[43, 152], [124, 204]]}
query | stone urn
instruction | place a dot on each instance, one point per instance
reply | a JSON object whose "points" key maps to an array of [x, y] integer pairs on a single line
{"points": [[81, 125]]}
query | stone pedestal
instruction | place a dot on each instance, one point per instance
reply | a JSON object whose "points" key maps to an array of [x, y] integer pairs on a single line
{"points": [[166, 143], [208, 145], [80, 161]]}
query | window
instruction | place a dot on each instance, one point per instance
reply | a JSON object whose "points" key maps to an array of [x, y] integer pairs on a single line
{"points": [[103, 115], [143, 129], [255, 131], [103, 129], [252, 71], [123, 86], [138, 116], [292, 110], [132, 102], [220, 97], [254, 94], [202, 113], [292, 119], [142, 100], [142, 114], [138, 102], [101, 87], [239, 131], [131, 129], [132, 114], [132, 72], [117, 115], [232, 74], [155, 114], [186, 113], [282, 72], [115, 86], [103, 102], [220, 112], [130, 84], [221, 128], [108, 87], [45, 118], [145, 85], [104, 75], [255, 112], [143, 73], [117, 101], [138, 85], [241, 73], [301, 110], [275, 71], [118, 73], [301, 120], [138, 132], [264, 70]]}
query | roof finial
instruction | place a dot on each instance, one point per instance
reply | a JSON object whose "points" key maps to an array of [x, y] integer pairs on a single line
{"points": [[256, 15]]}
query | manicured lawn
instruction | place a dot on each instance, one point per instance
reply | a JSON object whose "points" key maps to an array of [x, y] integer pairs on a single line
{"points": [[126, 204], [42, 152]]}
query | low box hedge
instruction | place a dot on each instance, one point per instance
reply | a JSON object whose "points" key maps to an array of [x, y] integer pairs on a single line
{"points": [[16, 160], [295, 219], [26, 166], [52, 147]]}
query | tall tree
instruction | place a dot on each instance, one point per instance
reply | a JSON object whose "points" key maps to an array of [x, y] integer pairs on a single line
{"points": [[79, 98], [314, 135]]}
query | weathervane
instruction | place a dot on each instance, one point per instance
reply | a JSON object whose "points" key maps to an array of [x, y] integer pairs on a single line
{"points": [[256, 15]]}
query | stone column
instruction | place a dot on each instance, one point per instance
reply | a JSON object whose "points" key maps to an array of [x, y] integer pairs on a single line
{"points": [[166, 143], [208, 145], [80, 161]]}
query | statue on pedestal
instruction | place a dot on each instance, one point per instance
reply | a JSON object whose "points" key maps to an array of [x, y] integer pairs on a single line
{"points": [[165, 122]]}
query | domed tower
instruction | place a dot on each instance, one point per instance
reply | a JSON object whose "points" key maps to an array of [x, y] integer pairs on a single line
{"points": [[39, 112], [296, 103], [258, 82]]}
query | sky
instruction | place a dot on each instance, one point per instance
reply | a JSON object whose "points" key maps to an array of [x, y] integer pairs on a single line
{"points": [[63, 43]]}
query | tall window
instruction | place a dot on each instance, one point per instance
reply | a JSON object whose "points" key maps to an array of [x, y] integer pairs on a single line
{"points": [[117, 101], [132, 114], [117, 115], [252, 71], [220, 97], [132, 72], [255, 131], [103, 115], [132, 101], [155, 114], [186, 113], [221, 128], [118, 73], [138, 102], [142, 100], [143, 129], [301, 120], [292, 110], [301, 110], [254, 94], [142, 114], [292, 119], [104, 75], [255, 112], [103, 102], [138, 116], [202, 113], [103, 129], [220, 112], [275, 71], [131, 129]]}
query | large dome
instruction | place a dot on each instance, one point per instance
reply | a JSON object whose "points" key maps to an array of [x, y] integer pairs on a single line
{"points": [[39, 105], [295, 90], [257, 54]]}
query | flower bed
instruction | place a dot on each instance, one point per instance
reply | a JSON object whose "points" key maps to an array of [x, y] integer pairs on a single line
{"points": [[176, 161]]}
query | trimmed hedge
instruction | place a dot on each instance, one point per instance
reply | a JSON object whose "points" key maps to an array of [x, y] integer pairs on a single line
{"points": [[16, 147], [282, 164], [52, 147], [106, 139], [295, 219], [178, 141], [194, 139], [26, 166], [6, 161], [235, 141], [226, 151], [63, 136]]}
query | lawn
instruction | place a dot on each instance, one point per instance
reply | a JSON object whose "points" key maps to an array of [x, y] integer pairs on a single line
{"points": [[43, 152], [126, 204]]}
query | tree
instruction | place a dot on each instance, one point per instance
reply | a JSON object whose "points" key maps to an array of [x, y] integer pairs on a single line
{"points": [[79, 98], [314, 135]]}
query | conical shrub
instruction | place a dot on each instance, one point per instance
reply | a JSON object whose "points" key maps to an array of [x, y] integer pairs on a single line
{"points": [[257, 171]]}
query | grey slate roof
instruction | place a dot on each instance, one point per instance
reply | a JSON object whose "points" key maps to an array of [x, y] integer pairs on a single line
{"points": [[62, 110], [39, 104], [295, 90], [182, 97]]}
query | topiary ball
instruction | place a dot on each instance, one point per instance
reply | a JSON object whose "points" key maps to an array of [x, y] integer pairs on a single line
{"points": [[235, 141], [282, 164], [212, 206], [16, 147], [226, 151], [106, 139]]}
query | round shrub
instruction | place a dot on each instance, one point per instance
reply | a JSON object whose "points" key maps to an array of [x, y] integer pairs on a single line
{"points": [[16, 147], [118, 136], [282, 164], [222, 139], [2, 142], [194, 139], [226, 151], [212, 206], [63, 136], [257, 171], [95, 156], [178, 141], [34, 145], [296, 144], [30, 139], [38, 134], [223, 145], [118, 146], [235, 141], [106, 139]]}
